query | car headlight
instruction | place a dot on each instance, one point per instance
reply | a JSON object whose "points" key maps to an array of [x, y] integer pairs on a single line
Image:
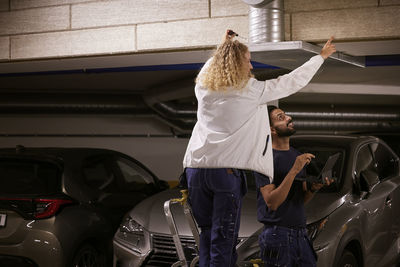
{"points": [[315, 228], [131, 234], [130, 226]]}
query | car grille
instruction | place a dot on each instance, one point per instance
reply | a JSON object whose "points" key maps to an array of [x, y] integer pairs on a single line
{"points": [[165, 252]]}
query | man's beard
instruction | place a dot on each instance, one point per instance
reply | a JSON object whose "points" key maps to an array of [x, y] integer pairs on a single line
{"points": [[286, 132]]}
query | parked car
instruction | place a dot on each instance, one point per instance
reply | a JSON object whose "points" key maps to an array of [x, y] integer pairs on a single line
{"points": [[353, 222], [60, 207]]}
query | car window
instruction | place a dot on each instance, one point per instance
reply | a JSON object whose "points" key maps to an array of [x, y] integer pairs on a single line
{"points": [[366, 167], [97, 175], [28, 177], [133, 173], [386, 162]]}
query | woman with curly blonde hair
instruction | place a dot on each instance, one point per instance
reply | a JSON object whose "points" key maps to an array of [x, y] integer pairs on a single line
{"points": [[232, 134], [228, 68]]}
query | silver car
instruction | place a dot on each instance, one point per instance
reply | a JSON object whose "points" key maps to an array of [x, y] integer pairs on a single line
{"points": [[60, 207], [353, 222]]}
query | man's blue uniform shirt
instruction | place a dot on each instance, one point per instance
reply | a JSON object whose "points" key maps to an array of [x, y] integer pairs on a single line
{"points": [[291, 212]]}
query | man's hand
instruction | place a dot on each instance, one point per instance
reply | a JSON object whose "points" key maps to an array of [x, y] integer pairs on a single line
{"points": [[328, 48], [301, 161], [317, 186]]}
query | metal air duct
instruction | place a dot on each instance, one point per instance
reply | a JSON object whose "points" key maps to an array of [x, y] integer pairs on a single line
{"points": [[266, 21], [267, 45]]}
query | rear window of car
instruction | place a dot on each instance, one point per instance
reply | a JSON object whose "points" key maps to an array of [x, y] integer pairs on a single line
{"points": [[29, 177]]}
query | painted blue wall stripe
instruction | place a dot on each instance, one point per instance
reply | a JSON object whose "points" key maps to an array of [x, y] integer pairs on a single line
{"points": [[189, 66], [386, 60], [370, 61]]}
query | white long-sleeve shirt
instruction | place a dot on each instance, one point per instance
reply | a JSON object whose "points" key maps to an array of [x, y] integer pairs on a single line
{"points": [[232, 129]]}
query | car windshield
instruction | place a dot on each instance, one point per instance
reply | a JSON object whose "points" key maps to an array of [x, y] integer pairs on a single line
{"points": [[29, 177], [314, 168]]}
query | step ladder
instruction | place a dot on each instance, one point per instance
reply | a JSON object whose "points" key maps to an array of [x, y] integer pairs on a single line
{"points": [[183, 262]]}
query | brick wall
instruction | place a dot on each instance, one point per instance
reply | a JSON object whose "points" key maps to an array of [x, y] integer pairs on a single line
{"points": [[66, 28], [316, 20]]}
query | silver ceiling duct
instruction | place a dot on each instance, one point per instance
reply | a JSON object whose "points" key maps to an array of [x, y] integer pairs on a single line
{"points": [[267, 45], [267, 23]]}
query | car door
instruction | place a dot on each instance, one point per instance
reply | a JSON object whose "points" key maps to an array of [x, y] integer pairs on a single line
{"points": [[101, 177], [387, 165], [377, 214], [135, 183]]}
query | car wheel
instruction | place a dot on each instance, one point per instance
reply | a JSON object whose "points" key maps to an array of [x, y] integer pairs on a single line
{"points": [[88, 256], [347, 259]]}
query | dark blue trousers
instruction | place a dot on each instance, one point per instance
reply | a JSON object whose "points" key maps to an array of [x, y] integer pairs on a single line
{"points": [[281, 246], [215, 196]]}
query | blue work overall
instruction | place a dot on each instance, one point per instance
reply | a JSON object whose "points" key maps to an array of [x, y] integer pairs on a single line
{"points": [[215, 196]]}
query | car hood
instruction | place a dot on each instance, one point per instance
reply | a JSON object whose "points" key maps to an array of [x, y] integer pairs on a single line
{"points": [[150, 212], [323, 204]]}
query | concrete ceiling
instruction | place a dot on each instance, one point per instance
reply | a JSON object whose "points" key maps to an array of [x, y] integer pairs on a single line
{"points": [[140, 71], [371, 89]]}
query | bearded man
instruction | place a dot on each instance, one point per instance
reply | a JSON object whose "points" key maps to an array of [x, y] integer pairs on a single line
{"points": [[280, 204]]}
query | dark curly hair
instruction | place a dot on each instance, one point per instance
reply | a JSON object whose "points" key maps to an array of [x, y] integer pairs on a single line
{"points": [[270, 109]]}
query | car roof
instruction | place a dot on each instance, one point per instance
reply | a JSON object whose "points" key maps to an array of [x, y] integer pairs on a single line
{"points": [[61, 155]]}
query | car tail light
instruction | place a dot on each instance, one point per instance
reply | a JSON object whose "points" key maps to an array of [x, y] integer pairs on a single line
{"points": [[48, 207], [36, 208]]}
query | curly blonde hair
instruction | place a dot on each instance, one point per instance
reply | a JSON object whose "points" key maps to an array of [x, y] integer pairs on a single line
{"points": [[227, 68]]}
